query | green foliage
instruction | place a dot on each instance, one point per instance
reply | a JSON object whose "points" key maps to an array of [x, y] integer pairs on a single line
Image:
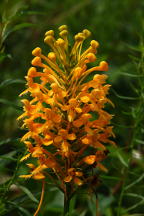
{"points": [[119, 27]]}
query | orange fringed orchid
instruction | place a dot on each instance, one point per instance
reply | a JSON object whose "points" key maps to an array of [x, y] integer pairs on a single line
{"points": [[67, 127]]}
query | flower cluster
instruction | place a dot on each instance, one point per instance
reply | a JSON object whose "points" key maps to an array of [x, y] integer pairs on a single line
{"points": [[67, 127]]}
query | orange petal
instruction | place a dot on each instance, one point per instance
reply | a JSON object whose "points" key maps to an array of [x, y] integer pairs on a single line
{"points": [[111, 142], [39, 169], [78, 123], [30, 165], [85, 141], [24, 92], [99, 145], [22, 116], [65, 147], [109, 101], [71, 170], [26, 136], [47, 142], [78, 110], [64, 94], [78, 181], [25, 157], [28, 145], [102, 167], [71, 115], [87, 116], [57, 118], [25, 176], [85, 99], [50, 101], [100, 155], [79, 174], [65, 107], [50, 163], [38, 176], [73, 102], [58, 139], [37, 152], [71, 136], [68, 178], [90, 159]]}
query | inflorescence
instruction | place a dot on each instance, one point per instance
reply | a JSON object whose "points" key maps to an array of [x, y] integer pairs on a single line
{"points": [[67, 127]]}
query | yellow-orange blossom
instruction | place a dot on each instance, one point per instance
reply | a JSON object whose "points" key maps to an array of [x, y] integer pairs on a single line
{"points": [[67, 127]]}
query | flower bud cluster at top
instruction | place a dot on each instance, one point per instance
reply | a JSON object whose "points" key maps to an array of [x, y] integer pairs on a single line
{"points": [[67, 127]]}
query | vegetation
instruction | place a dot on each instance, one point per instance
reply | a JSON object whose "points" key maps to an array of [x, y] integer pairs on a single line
{"points": [[119, 28]]}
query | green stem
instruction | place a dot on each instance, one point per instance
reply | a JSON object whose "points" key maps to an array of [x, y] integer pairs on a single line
{"points": [[67, 198], [66, 205]]}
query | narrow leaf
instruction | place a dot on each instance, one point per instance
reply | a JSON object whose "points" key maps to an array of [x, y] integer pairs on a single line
{"points": [[8, 140], [10, 81], [9, 103], [135, 182], [122, 159], [130, 75], [28, 192], [124, 97], [16, 28]]}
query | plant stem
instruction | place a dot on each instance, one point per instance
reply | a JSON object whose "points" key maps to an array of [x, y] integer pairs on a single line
{"points": [[66, 205], [66, 201]]}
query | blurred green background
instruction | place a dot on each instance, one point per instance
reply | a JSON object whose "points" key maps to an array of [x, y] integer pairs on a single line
{"points": [[119, 27]]}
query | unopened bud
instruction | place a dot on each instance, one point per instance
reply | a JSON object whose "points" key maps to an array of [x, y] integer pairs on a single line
{"points": [[91, 57], [94, 44], [63, 27], [36, 51], [36, 61], [87, 33], [50, 32], [52, 56]]}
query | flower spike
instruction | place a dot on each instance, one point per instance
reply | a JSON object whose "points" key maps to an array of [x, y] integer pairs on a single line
{"points": [[68, 129]]}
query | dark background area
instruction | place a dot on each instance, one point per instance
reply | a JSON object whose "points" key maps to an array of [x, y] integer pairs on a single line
{"points": [[119, 28]]}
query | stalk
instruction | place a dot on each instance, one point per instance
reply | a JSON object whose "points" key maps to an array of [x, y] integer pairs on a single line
{"points": [[67, 199], [66, 206]]}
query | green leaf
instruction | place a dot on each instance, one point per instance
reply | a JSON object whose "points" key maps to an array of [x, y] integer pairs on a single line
{"points": [[10, 81], [83, 213], [23, 210], [8, 140], [28, 192], [10, 10], [122, 160], [119, 153], [72, 204], [140, 141], [16, 28], [130, 75], [134, 195], [110, 177], [23, 25], [135, 182], [28, 12], [9, 103], [105, 201], [125, 97], [8, 156], [3, 56], [135, 48], [135, 205], [133, 214]]}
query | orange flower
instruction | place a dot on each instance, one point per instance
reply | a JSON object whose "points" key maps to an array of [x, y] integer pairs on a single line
{"points": [[73, 175], [64, 115]]}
